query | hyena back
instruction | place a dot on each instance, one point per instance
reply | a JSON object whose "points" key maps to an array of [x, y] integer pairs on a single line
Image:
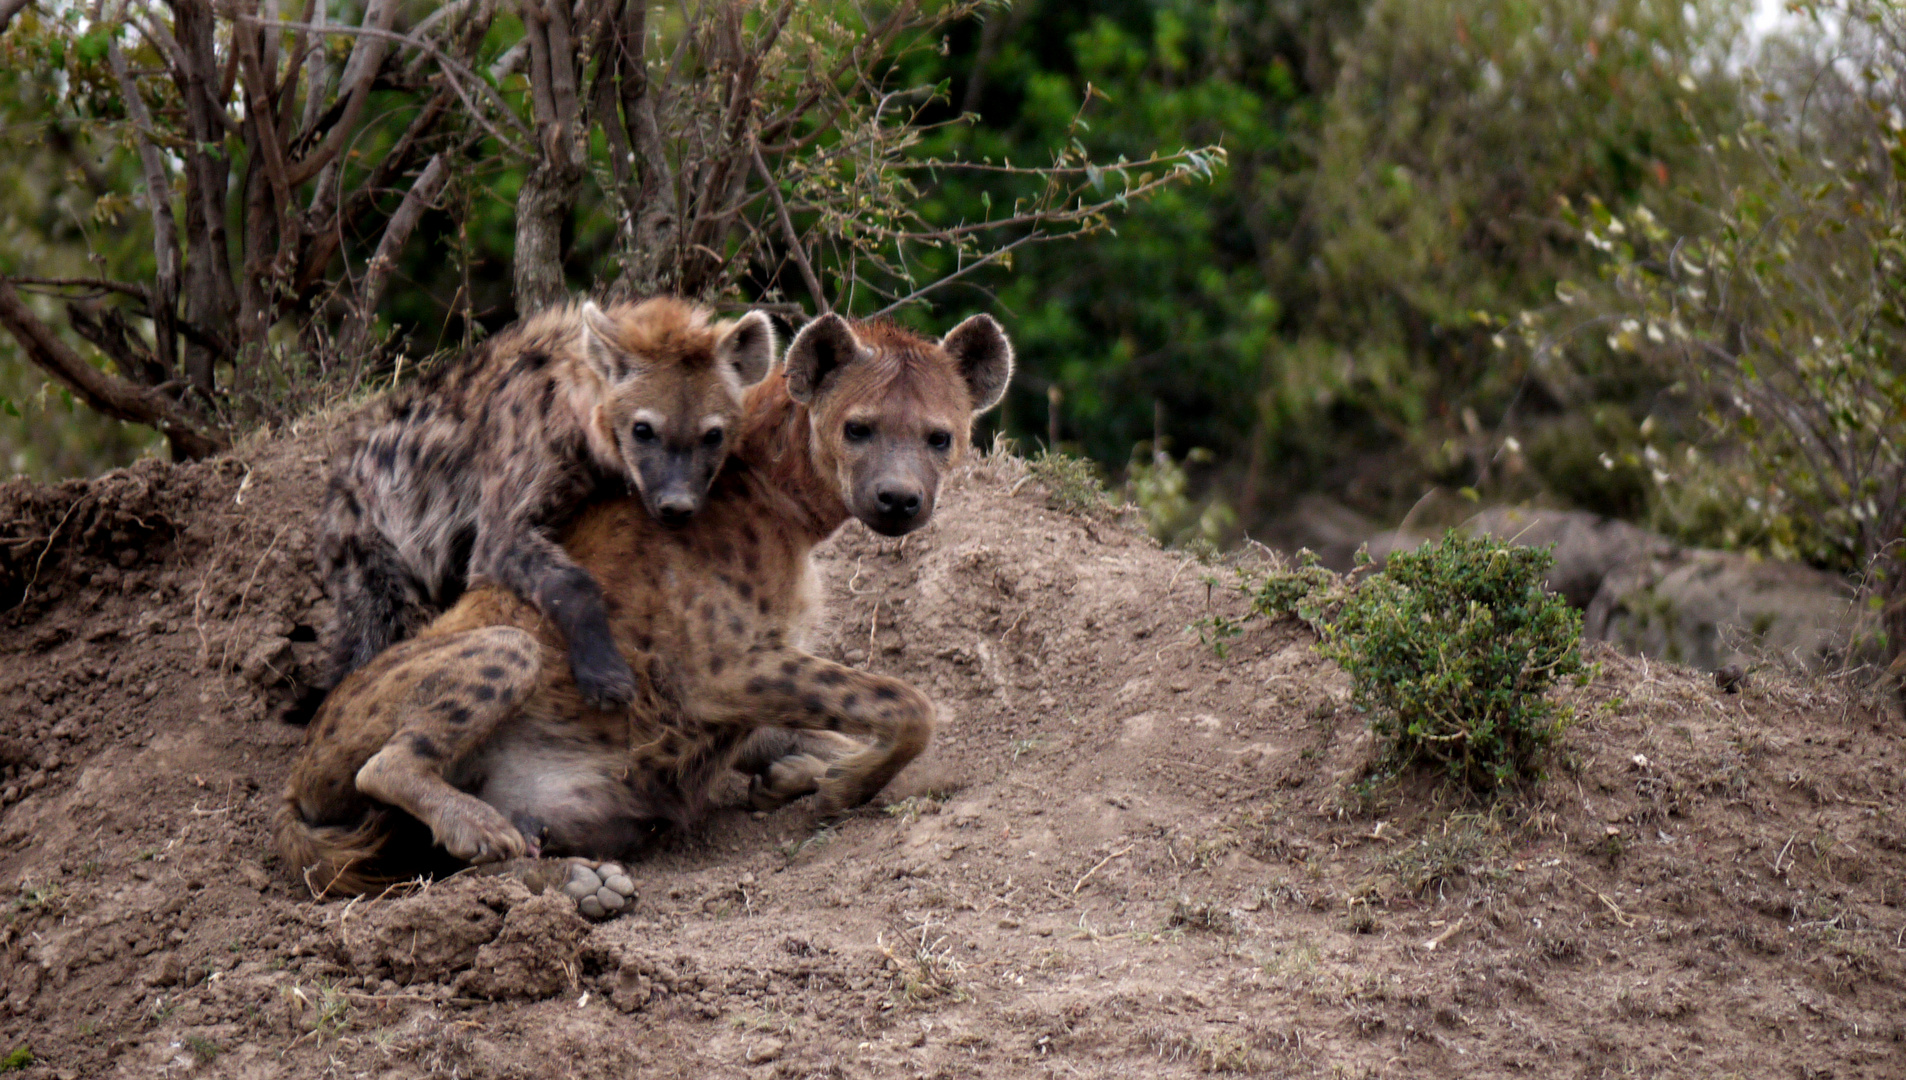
{"points": [[474, 730], [464, 474]]}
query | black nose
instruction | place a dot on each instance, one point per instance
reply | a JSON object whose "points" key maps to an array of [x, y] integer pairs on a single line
{"points": [[898, 502], [675, 509]]}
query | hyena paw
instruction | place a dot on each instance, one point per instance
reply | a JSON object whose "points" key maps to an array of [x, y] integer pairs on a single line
{"points": [[476, 833], [600, 890], [603, 678]]}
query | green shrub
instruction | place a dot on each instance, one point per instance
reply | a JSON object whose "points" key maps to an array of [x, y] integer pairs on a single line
{"points": [[1450, 650], [1306, 591]]}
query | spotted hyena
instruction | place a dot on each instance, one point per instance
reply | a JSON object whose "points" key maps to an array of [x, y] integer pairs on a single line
{"points": [[462, 475], [474, 736]]}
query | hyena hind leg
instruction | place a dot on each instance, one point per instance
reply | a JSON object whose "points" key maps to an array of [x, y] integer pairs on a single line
{"points": [[451, 695], [378, 601], [793, 689], [783, 765]]}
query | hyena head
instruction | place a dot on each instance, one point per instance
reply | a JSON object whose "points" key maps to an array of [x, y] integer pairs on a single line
{"points": [[674, 379], [890, 411]]}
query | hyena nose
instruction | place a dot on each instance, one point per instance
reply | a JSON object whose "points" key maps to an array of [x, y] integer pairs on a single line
{"points": [[898, 502], [676, 509]]}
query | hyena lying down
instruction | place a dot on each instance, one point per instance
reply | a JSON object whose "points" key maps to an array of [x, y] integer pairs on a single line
{"points": [[475, 729], [459, 475]]}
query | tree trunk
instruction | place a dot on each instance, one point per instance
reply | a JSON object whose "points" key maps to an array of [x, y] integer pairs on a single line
{"points": [[555, 180]]}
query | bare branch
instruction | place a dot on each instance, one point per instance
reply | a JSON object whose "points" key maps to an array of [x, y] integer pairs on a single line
{"points": [[165, 228], [105, 393], [796, 250], [422, 193], [455, 72]]}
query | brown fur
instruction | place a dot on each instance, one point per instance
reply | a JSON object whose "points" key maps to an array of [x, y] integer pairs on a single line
{"points": [[475, 731], [463, 474]]}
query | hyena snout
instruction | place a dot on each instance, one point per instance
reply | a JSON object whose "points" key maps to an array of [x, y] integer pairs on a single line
{"points": [[674, 486], [898, 502]]}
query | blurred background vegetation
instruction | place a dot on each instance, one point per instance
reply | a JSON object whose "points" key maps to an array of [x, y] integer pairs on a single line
{"points": [[1637, 257]]}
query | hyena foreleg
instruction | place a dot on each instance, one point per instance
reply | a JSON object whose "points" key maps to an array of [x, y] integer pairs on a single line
{"points": [[535, 568], [450, 693], [792, 689]]}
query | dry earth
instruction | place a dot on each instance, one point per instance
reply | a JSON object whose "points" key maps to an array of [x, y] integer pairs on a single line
{"points": [[1123, 856]]}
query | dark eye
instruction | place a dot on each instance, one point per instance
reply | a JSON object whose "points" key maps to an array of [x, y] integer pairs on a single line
{"points": [[940, 440], [712, 438], [857, 431], [643, 433]]}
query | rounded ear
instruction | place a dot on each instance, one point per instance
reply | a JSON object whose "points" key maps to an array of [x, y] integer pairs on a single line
{"points": [[598, 335], [817, 354], [747, 347], [985, 357]]}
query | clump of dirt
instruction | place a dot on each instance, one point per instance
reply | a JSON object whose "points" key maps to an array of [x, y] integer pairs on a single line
{"points": [[1123, 854]]}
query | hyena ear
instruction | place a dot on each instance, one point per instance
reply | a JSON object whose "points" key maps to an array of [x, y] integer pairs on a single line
{"points": [[598, 344], [747, 347], [817, 354], [985, 357]]}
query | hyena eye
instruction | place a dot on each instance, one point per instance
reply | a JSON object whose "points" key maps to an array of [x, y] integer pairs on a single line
{"points": [[712, 438], [643, 433], [857, 431], [940, 440]]}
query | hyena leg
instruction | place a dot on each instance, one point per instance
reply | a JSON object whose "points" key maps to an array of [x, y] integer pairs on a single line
{"points": [[533, 567], [782, 765], [451, 694], [378, 601], [790, 688]]}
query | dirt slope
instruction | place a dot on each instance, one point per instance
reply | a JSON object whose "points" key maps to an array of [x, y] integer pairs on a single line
{"points": [[1122, 857]]}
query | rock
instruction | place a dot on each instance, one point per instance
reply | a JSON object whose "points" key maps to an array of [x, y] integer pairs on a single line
{"points": [[169, 971], [765, 1051], [268, 662], [253, 875], [1588, 547], [1714, 609]]}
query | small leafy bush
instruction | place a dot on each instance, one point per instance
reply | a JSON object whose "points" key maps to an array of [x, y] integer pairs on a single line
{"points": [[1450, 650]]}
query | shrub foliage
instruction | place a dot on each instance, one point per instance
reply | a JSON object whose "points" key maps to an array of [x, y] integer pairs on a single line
{"points": [[1451, 649]]}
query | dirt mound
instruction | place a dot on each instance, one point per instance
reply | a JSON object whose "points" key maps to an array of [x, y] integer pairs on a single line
{"points": [[1123, 855]]}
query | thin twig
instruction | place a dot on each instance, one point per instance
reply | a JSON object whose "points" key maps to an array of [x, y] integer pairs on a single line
{"points": [[1126, 850]]}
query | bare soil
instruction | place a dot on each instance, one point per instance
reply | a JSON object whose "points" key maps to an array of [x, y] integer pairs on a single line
{"points": [[1123, 856]]}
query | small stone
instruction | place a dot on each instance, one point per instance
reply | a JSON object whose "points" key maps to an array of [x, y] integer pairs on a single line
{"points": [[591, 906], [254, 875], [747, 879], [1009, 923], [763, 1052], [169, 971]]}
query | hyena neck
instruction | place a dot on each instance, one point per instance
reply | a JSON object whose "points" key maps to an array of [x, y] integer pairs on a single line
{"points": [[776, 443]]}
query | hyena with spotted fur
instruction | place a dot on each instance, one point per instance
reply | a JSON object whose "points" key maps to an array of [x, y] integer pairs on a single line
{"points": [[473, 734], [463, 475]]}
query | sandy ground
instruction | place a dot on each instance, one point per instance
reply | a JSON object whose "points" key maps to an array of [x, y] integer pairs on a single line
{"points": [[1123, 856]]}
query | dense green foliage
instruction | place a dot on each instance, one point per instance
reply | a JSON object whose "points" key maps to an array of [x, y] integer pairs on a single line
{"points": [[1452, 648], [1326, 314]]}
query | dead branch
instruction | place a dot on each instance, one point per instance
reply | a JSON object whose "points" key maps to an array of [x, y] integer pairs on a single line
{"points": [[422, 193], [105, 393]]}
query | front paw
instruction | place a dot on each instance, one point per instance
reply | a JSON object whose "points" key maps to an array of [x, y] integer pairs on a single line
{"points": [[476, 833], [603, 678]]}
